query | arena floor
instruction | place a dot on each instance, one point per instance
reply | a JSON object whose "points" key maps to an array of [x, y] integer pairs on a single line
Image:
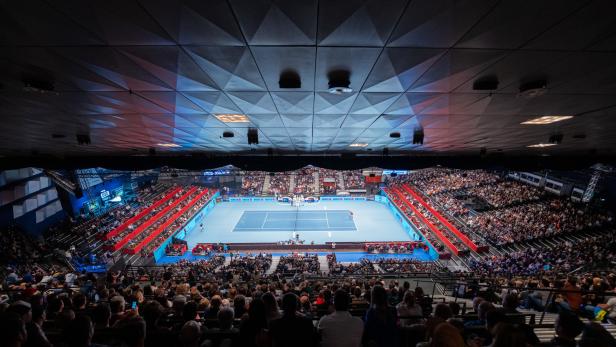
{"points": [[324, 221]]}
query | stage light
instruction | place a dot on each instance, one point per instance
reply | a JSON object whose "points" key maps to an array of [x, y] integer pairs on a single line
{"points": [[541, 145], [546, 120], [358, 145], [169, 145], [232, 118]]}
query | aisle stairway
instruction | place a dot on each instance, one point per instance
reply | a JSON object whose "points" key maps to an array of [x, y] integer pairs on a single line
{"points": [[323, 264], [266, 185], [272, 268], [315, 186], [340, 182], [292, 184]]}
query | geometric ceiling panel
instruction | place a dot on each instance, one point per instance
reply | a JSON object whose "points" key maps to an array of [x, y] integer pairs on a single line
{"points": [[373, 103], [357, 22], [398, 68], [512, 23], [277, 23], [213, 19], [294, 102], [276, 61], [213, 102], [232, 68], [455, 68], [134, 74], [437, 23], [327, 103]]}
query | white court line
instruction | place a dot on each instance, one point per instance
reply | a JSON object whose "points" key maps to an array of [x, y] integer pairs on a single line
{"points": [[334, 229], [264, 220]]}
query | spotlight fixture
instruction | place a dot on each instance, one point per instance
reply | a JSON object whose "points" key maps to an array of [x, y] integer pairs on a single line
{"points": [[395, 135], [289, 79], [556, 139], [227, 134], [253, 136], [339, 82], [83, 139], [546, 120], [418, 137], [533, 89], [541, 145], [231, 118]]}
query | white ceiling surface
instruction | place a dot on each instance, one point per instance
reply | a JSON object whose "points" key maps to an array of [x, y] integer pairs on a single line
{"points": [[134, 74]]}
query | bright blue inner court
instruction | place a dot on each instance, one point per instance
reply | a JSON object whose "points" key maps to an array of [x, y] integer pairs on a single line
{"points": [[328, 220]]}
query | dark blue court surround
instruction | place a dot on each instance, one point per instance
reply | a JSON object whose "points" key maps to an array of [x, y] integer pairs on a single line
{"points": [[284, 221]]}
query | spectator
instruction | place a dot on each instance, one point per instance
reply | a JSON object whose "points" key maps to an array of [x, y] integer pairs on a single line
{"points": [[331, 326], [567, 327], [290, 329], [409, 311], [380, 322]]}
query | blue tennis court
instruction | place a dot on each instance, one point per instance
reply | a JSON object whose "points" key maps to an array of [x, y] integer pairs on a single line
{"points": [[333, 220]]}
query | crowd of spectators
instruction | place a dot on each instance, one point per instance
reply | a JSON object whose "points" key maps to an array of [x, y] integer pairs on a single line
{"points": [[189, 303], [394, 247], [506, 193], [305, 182], [436, 222], [354, 179], [307, 264], [392, 266], [248, 267], [591, 252], [252, 182], [153, 212], [179, 222], [280, 183], [535, 220], [328, 181], [363, 267]]}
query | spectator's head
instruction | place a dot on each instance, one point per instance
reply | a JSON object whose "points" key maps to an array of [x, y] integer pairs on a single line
{"points": [[257, 312], [341, 300], [483, 309], [493, 317], [289, 304], [225, 318], [23, 309], [131, 331], [442, 311], [190, 311], [595, 335], [476, 301], [510, 302], [508, 335], [101, 315], [409, 298], [446, 335], [12, 329], [117, 304], [190, 334], [568, 326], [79, 301], [378, 298], [38, 314], [239, 305], [270, 302], [79, 332], [455, 308], [152, 312]]}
